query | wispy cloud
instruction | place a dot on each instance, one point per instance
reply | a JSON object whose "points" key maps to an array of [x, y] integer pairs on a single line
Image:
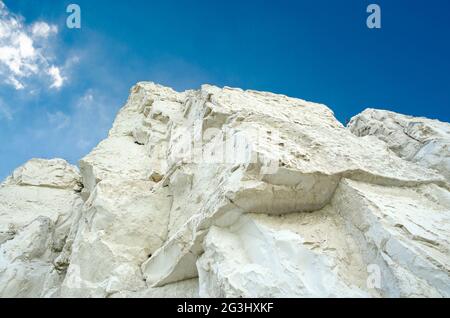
{"points": [[58, 120], [82, 124], [25, 51], [92, 115], [5, 111]]}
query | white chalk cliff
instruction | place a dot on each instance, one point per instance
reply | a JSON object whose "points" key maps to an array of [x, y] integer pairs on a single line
{"points": [[231, 193]]}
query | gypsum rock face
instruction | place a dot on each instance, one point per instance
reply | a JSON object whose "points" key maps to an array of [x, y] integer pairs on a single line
{"points": [[267, 164], [124, 218], [401, 232], [404, 231], [122, 223], [312, 151], [420, 140], [38, 203], [299, 255]]}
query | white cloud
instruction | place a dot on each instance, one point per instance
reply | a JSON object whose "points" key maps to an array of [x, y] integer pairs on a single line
{"points": [[24, 51], [55, 73], [14, 82], [43, 29]]}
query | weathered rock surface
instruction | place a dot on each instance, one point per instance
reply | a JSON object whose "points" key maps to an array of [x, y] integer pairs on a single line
{"points": [[38, 204], [420, 140], [231, 193]]}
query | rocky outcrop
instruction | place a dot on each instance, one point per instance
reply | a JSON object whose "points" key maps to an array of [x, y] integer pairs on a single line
{"points": [[221, 192], [421, 140], [38, 204]]}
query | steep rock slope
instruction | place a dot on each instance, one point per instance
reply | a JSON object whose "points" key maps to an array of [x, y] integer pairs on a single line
{"points": [[231, 193]]}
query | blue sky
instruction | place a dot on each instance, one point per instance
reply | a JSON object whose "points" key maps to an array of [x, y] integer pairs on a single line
{"points": [[60, 96]]}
